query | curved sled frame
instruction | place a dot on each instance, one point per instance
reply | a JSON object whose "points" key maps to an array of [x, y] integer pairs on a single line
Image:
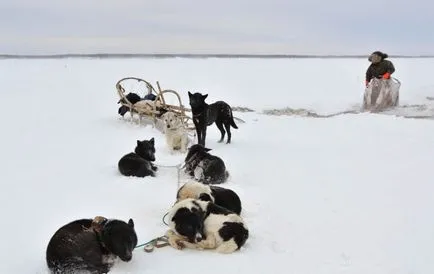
{"points": [[180, 110], [159, 105]]}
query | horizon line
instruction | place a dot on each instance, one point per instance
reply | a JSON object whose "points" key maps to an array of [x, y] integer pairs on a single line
{"points": [[191, 55]]}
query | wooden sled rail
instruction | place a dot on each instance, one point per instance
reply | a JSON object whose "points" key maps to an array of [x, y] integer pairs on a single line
{"points": [[155, 108]]}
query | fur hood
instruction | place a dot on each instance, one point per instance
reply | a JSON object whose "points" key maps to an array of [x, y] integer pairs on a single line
{"points": [[377, 56]]}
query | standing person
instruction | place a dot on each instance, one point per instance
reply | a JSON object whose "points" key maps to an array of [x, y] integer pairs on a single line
{"points": [[379, 68]]}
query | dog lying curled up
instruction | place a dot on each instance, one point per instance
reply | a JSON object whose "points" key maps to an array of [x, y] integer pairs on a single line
{"points": [[139, 162], [223, 197], [200, 224], [204, 167], [175, 132], [90, 245]]}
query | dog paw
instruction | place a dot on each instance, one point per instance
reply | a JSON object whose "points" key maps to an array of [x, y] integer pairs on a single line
{"points": [[198, 247], [177, 244], [180, 244]]}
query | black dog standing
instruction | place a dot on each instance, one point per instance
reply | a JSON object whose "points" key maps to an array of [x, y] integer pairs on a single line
{"points": [[205, 115]]}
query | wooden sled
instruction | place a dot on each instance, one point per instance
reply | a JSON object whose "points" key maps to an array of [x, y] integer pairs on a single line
{"points": [[148, 108]]}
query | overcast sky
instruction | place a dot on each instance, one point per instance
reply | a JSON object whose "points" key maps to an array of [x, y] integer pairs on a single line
{"points": [[223, 26]]}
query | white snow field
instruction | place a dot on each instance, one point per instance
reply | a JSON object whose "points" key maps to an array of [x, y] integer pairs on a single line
{"points": [[347, 194]]}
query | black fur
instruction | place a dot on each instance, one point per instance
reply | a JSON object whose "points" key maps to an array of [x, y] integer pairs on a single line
{"points": [[205, 197], [205, 115], [229, 230], [133, 98], [212, 208], [190, 219], [189, 223], [122, 110], [234, 230], [214, 169], [226, 198], [75, 247], [139, 162]]}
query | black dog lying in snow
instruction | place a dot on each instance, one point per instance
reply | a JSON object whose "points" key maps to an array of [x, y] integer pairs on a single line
{"points": [[90, 245], [204, 167], [223, 197], [205, 115], [139, 162]]}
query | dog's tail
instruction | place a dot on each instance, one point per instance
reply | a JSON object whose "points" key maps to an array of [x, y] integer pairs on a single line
{"points": [[233, 121]]}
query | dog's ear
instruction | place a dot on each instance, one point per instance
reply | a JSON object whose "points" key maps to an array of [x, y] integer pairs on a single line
{"points": [[152, 140], [138, 142], [207, 149], [189, 94], [205, 197], [131, 223], [204, 96]]}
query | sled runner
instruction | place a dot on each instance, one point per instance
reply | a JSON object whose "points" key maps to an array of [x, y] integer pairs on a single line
{"points": [[381, 94], [151, 104]]}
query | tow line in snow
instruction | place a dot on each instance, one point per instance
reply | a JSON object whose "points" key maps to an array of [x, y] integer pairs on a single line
{"points": [[154, 243], [161, 241]]}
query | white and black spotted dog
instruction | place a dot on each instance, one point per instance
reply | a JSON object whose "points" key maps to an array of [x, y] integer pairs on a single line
{"points": [[204, 167], [200, 224], [223, 197]]}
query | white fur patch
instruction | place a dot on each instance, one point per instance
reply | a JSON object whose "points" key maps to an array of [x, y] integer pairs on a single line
{"points": [[194, 190], [212, 224], [187, 203], [175, 132], [144, 105], [198, 172], [227, 247]]}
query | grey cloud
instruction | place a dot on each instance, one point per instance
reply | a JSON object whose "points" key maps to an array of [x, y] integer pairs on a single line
{"points": [[255, 26]]}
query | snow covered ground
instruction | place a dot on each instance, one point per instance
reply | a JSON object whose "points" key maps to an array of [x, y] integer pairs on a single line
{"points": [[348, 194]]}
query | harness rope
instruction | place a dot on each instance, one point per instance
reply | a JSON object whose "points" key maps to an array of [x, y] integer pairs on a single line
{"points": [[179, 181], [154, 243], [162, 241], [178, 167]]}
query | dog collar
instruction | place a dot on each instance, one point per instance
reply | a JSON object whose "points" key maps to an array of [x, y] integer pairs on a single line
{"points": [[97, 226]]}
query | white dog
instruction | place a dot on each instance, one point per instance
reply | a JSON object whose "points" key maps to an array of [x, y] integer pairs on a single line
{"points": [[175, 132]]}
